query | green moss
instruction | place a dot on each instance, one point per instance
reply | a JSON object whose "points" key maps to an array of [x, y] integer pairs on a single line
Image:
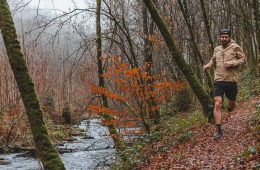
{"points": [[183, 100], [183, 124], [66, 114]]}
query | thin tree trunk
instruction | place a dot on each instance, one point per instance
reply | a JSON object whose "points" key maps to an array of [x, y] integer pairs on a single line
{"points": [[208, 30], [46, 151], [257, 27], [196, 86], [207, 25], [246, 27], [148, 60], [198, 56], [112, 129], [99, 52]]}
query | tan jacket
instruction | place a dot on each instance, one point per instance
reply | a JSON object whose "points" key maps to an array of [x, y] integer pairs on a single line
{"points": [[233, 54]]}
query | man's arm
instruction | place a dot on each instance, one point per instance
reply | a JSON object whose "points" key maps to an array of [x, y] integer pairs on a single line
{"points": [[240, 58], [211, 62]]}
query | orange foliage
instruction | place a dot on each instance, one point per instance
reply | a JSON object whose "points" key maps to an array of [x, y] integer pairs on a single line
{"points": [[135, 88], [105, 91]]}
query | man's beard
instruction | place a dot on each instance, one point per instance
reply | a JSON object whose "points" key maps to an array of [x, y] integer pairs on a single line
{"points": [[225, 43]]}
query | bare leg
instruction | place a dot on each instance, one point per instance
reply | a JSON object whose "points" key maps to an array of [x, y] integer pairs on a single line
{"points": [[217, 110], [231, 105], [217, 115]]}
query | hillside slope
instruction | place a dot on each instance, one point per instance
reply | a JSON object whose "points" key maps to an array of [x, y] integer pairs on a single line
{"points": [[203, 152]]}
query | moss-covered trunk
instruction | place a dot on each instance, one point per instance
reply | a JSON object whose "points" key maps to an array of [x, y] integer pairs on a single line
{"points": [[99, 52], [46, 151], [148, 61], [196, 86]]}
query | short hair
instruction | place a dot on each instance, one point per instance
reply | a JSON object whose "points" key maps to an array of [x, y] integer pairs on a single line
{"points": [[225, 31]]}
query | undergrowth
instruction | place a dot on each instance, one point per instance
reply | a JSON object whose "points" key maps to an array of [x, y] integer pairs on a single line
{"points": [[249, 85], [178, 128]]}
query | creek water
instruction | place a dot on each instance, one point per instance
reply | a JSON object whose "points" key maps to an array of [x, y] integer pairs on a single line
{"points": [[94, 150]]}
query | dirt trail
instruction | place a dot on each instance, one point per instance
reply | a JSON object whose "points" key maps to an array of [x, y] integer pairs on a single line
{"points": [[203, 152]]}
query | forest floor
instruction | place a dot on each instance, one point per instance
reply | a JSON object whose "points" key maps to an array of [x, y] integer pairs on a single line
{"points": [[202, 151]]}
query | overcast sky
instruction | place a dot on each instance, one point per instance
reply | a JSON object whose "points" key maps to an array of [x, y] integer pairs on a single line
{"points": [[63, 5], [44, 10], [59, 5]]}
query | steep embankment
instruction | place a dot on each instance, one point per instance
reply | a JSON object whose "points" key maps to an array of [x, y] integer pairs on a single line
{"points": [[203, 152]]}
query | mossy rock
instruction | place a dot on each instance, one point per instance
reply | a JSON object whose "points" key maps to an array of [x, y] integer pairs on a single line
{"points": [[252, 150]]}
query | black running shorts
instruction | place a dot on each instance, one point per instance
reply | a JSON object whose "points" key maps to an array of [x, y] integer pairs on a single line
{"points": [[227, 88]]}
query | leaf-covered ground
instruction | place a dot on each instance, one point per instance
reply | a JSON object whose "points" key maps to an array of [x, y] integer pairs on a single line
{"points": [[203, 152]]}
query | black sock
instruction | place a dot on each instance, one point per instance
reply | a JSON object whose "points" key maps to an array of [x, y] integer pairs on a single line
{"points": [[219, 127]]}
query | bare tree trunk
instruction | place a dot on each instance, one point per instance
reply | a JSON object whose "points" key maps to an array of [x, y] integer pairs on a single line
{"points": [[112, 129], [47, 153], [207, 25], [196, 86]]}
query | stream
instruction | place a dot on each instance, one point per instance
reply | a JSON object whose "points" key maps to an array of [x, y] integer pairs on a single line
{"points": [[95, 150]]}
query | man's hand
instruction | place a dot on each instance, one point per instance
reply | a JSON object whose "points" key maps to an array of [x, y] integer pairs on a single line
{"points": [[205, 67], [226, 64]]}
